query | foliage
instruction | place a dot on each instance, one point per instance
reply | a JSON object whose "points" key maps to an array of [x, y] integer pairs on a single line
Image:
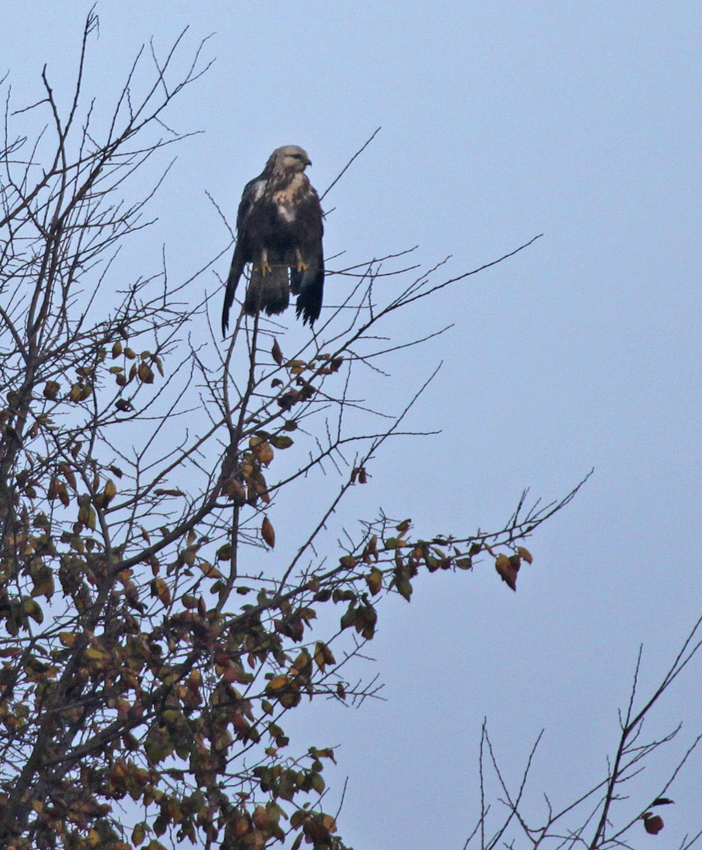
{"points": [[148, 663]]}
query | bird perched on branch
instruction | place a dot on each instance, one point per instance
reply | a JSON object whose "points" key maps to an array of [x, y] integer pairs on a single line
{"points": [[279, 227]]}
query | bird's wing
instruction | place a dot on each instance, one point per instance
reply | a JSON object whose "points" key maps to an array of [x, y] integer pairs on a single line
{"points": [[308, 285], [252, 192]]}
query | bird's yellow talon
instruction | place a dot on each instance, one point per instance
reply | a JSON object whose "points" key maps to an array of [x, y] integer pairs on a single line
{"points": [[302, 266], [265, 269]]}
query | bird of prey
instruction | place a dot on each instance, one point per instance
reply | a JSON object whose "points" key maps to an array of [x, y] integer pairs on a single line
{"points": [[279, 227]]}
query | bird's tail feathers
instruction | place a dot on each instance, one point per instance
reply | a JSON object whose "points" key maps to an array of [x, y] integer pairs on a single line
{"points": [[309, 288], [232, 281], [269, 293]]}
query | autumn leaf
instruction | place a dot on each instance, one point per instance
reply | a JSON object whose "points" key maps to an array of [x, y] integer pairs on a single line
{"points": [[403, 527], [110, 491], [145, 372], [139, 833], [403, 586], [264, 452], [277, 353], [525, 554], [33, 609], [507, 570], [323, 655], [374, 580], [268, 532], [86, 515], [51, 389], [653, 824], [209, 570], [160, 588]]}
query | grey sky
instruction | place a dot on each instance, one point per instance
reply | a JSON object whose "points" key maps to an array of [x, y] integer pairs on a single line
{"points": [[501, 120]]}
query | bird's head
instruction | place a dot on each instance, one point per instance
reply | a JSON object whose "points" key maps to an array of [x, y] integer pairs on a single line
{"points": [[289, 158]]}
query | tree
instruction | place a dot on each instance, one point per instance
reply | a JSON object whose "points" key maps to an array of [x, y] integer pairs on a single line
{"points": [[609, 814], [150, 651]]}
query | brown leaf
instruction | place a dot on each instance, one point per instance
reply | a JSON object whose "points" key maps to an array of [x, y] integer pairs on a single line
{"points": [[277, 682], [146, 374], [264, 453], [160, 588], [209, 570], [277, 353], [110, 490], [268, 532], [653, 824], [374, 580], [526, 554], [51, 389], [288, 399], [507, 569]]}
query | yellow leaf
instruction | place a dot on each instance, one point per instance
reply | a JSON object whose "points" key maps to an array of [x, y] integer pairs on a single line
{"points": [[94, 654], [160, 588], [145, 372], [374, 580], [209, 570], [264, 453]]}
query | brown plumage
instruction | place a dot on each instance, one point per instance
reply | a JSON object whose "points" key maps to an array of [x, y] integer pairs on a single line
{"points": [[279, 227]]}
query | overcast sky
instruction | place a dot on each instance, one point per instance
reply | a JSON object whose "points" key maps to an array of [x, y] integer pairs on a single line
{"points": [[500, 121]]}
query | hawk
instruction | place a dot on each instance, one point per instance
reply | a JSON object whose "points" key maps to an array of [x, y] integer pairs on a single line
{"points": [[279, 226]]}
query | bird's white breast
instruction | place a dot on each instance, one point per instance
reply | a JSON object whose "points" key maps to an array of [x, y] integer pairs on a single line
{"points": [[286, 212], [285, 199]]}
